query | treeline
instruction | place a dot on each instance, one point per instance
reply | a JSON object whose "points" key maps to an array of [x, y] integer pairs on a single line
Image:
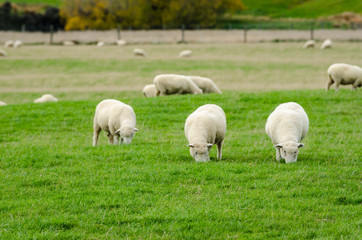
{"points": [[11, 18]]}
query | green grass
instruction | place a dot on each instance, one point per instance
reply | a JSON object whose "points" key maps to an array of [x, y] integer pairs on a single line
{"points": [[55, 185], [56, 3]]}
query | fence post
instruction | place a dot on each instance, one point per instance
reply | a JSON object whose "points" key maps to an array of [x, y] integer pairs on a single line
{"points": [[312, 31], [183, 33], [118, 32], [51, 34], [245, 33], [23, 28]]}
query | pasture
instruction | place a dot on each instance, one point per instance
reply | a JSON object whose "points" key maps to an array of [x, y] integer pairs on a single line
{"points": [[55, 185]]}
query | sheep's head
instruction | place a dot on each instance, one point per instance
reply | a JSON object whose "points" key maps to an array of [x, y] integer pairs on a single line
{"points": [[127, 133], [200, 151], [289, 150], [198, 91]]}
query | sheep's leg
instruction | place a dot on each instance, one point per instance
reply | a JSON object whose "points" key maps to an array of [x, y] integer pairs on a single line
{"points": [[116, 140], [336, 87], [330, 82], [110, 138], [219, 147], [97, 130], [278, 156], [355, 85]]}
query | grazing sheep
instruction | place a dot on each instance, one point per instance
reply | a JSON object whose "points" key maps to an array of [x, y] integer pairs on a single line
{"points": [[121, 42], [150, 90], [309, 44], [326, 44], [9, 43], [286, 126], [3, 53], [100, 44], [18, 44], [115, 118], [68, 43], [46, 98], [206, 84], [167, 84], [139, 52], [341, 73], [185, 53], [2, 103], [203, 128]]}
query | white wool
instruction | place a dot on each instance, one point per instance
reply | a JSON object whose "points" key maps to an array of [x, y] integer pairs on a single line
{"points": [[18, 44], [100, 44], [206, 84], [286, 126], [344, 74], [150, 90], [168, 84], [203, 128], [326, 44], [3, 53], [139, 52], [68, 43], [46, 98], [9, 43], [121, 42], [185, 53], [115, 118], [2, 103], [309, 44]]}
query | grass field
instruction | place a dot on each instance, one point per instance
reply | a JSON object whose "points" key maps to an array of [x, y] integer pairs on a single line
{"points": [[55, 185]]}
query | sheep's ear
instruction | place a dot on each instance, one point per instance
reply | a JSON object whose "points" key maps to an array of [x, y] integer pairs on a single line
{"points": [[135, 129], [300, 145], [278, 146], [209, 145], [190, 145], [117, 131]]}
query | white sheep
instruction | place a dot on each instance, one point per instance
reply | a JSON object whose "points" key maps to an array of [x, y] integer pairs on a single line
{"points": [[115, 118], [18, 44], [150, 90], [121, 42], [68, 43], [185, 53], [326, 44], [342, 73], [46, 98], [139, 52], [168, 84], [309, 44], [286, 126], [3, 53], [9, 43], [2, 103], [206, 84], [100, 44], [203, 128]]}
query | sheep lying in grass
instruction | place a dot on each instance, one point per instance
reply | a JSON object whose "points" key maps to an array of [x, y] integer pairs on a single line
{"points": [[139, 52], [286, 126], [9, 43], [46, 98], [115, 118], [168, 84], [185, 53], [203, 128], [309, 44], [2, 103], [3, 53], [326, 44], [150, 90], [206, 84], [341, 73]]}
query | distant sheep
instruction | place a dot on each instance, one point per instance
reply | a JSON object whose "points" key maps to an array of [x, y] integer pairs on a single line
{"points": [[3, 53], [326, 44], [168, 84], [139, 52], [18, 44], [309, 44], [9, 43], [341, 73], [115, 118], [206, 84], [2, 103], [68, 43], [100, 44], [286, 126], [46, 98], [150, 90], [185, 53], [203, 128], [121, 42]]}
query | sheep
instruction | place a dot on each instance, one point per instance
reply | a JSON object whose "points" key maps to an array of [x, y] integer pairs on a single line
{"points": [[139, 52], [18, 44], [150, 90], [326, 44], [100, 44], [121, 42], [185, 53], [167, 84], [46, 98], [3, 53], [206, 84], [309, 44], [342, 73], [286, 126], [115, 118], [68, 43], [9, 43], [2, 103], [203, 128]]}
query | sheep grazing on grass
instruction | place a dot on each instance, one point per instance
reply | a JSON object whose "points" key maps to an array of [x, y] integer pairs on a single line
{"points": [[206, 84], [121, 42], [3, 53], [286, 126], [341, 73], [139, 52], [203, 128], [326, 44], [168, 84], [185, 53], [46, 98], [100, 44], [150, 90], [309, 44], [9, 43], [18, 44], [68, 43], [115, 118], [2, 103]]}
